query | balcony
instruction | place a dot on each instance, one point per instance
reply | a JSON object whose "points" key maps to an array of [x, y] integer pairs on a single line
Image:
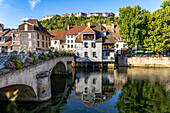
{"points": [[88, 37], [108, 47]]}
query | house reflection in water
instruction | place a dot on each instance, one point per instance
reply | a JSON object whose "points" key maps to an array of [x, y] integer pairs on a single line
{"points": [[94, 87]]}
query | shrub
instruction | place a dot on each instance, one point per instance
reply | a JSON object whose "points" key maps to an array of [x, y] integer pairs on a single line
{"points": [[10, 64], [13, 64], [43, 56]]}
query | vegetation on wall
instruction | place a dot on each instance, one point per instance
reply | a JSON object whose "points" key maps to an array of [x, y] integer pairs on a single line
{"points": [[61, 23]]}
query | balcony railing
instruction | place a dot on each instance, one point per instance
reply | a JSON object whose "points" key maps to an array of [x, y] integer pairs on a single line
{"points": [[108, 47], [88, 37]]}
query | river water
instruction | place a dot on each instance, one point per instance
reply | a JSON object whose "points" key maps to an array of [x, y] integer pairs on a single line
{"points": [[140, 90]]}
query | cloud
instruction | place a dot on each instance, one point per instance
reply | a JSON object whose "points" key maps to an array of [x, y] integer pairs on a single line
{"points": [[24, 19], [33, 3], [1, 2]]}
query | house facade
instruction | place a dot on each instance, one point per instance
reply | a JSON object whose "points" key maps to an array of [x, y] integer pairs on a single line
{"points": [[72, 33], [59, 39], [95, 45], [31, 36]]}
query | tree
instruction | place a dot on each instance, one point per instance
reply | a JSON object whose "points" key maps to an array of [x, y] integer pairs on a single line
{"points": [[165, 3], [159, 30], [133, 24]]}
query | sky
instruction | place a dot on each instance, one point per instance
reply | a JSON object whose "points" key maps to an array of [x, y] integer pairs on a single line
{"points": [[13, 12]]}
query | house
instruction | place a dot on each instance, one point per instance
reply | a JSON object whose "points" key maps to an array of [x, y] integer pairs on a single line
{"points": [[95, 45], [5, 39], [120, 44], [72, 33], [31, 36], [59, 39]]}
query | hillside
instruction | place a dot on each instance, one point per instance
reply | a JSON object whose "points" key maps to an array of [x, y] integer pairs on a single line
{"points": [[62, 22]]}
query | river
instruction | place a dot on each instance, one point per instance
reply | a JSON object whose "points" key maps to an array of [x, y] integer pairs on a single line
{"points": [[124, 90]]}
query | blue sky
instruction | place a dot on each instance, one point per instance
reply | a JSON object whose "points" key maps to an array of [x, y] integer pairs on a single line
{"points": [[13, 11]]}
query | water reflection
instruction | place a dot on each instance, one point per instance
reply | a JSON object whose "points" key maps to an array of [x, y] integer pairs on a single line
{"points": [[103, 91]]}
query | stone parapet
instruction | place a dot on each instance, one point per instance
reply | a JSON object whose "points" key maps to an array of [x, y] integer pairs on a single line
{"points": [[149, 61]]}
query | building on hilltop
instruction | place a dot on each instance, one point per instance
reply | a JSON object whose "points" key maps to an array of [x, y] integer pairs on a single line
{"points": [[49, 17], [59, 39], [31, 36]]}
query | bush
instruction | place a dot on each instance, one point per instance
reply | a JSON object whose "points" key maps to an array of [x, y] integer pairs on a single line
{"points": [[43, 56], [13, 64]]}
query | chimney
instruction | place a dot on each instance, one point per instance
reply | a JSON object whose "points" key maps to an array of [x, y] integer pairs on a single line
{"points": [[104, 25], [113, 26], [1, 27], [68, 27], [88, 24], [23, 21]]}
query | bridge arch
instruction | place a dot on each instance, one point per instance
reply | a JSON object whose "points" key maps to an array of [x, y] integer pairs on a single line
{"points": [[18, 92], [59, 68]]}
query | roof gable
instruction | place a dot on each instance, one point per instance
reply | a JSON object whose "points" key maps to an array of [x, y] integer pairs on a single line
{"points": [[88, 30]]}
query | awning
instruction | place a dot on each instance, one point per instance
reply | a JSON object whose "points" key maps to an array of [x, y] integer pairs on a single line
{"points": [[150, 52], [124, 49], [139, 51]]}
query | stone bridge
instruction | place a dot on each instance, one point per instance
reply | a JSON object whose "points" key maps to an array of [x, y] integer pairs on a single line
{"points": [[33, 83]]}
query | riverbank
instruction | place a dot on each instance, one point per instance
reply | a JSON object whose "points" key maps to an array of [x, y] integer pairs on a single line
{"points": [[149, 62]]}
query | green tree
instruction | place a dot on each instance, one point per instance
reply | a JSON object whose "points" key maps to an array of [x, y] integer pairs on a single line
{"points": [[133, 24], [165, 3], [159, 30]]}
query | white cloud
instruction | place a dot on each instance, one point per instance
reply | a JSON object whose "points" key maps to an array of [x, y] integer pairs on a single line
{"points": [[33, 3], [1, 2], [24, 19]]}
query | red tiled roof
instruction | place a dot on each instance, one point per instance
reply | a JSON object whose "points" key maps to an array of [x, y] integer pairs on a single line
{"points": [[116, 35], [88, 104], [75, 29], [78, 38], [59, 35], [88, 30]]}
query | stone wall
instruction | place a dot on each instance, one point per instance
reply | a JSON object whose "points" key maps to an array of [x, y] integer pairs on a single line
{"points": [[149, 61]]}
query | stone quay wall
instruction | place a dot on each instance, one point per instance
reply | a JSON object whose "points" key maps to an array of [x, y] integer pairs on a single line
{"points": [[149, 62]]}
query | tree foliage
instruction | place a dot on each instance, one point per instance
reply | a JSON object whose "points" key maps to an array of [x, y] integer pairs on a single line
{"points": [[133, 24], [165, 3], [159, 30], [148, 30], [62, 22], [142, 97]]}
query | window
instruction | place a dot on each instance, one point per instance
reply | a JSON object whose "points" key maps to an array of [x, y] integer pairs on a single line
{"points": [[86, 90], [68, 46], [42, 37], [94, 54], [46, 38], [38, 44], [124, 45], [107, 53], [46, 44], [29, 35], [42, 44], [38, 36], [117, 45], [55, 42], [85, 54], [67, 36], [29, 43], [62, 46], [11, 47], [71, 46], [68, 41], [71, 41], [94, 81], [86, 80], [86, 45], [71, 36], [93, 45]]}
